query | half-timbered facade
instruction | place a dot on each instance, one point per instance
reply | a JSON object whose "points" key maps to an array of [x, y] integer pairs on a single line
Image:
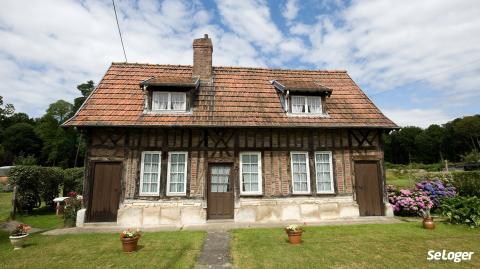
{"points": [[179, 145]]}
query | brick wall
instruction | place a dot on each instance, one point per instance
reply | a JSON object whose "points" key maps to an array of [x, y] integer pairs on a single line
{"points": [[206, 146]]}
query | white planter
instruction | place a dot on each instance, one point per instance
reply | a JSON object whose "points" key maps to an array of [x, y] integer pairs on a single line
{"points": [[18, 241]]}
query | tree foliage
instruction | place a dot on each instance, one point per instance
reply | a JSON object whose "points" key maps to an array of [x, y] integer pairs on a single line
{"points": [[42, 141], [458, 140]]}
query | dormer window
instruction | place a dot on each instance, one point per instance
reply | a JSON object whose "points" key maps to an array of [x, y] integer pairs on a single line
{"points": [[169, 94], [306, 104], [173, 101], [300, 97]]}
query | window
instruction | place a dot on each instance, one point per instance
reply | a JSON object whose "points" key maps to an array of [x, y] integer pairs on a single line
{"points": [[150, 173], [177, 173], [324, 171], [306, 104], [174, 101], [300, 173], [250, 173]]}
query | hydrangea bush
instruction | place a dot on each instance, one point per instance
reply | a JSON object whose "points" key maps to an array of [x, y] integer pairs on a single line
{"points": [[425, 196], [436, 190], [408, 202]]}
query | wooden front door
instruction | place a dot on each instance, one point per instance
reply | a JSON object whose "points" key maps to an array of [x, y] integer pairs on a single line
{"points": [[105, 192], [220, 192], [367, 185]]}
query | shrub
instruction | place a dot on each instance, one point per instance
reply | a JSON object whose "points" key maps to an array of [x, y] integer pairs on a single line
{"points": [[436, 190], [462, 210], [51, 178], [73, 180], [72, 204], [408, 202], [467, 182], [27, 180]]}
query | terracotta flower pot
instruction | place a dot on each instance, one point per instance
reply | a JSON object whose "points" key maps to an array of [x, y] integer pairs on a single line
{"points": [[294, 237], [428, 223], [18, 241], [129, 244]]}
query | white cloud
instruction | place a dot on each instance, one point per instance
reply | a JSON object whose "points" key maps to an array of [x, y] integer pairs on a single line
{"points": [[386, 44], [290, 10], [48, 47], [251, 20], [417, 117]]}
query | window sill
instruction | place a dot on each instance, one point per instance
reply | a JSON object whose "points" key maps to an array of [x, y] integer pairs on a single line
{"points": [[176, 194], [251, 194], [322, 115], [167, 112], [149, 194]]}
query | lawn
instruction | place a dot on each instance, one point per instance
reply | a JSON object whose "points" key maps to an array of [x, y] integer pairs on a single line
{"points": [[157, 250], [402, 245], [43, 217], [5, 205], [399, 180]]}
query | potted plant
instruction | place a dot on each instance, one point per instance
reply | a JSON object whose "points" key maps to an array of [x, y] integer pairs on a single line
{"points": [[19, 235], [294, 233], [129, 240], [427, 219]]}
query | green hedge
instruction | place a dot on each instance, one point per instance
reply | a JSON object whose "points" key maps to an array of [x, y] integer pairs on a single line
{"points": [[73, 180], [467, 183], [37, 183]]}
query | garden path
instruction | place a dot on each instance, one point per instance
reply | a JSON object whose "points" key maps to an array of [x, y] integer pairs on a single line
{"points": [[216, 251]]}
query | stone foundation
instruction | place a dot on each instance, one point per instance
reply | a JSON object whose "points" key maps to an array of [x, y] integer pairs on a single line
{"points": [[140, 213]]}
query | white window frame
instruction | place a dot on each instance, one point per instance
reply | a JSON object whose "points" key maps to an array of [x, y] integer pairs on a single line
{"points": [[169, 101], [330, 156], [259, 171], [307, 169], [170, 193], [157, 192], [305, 105]]}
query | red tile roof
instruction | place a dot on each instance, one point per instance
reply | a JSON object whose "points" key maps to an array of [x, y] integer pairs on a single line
{"points": [[304, 86], [183, 80], [239, 97]]}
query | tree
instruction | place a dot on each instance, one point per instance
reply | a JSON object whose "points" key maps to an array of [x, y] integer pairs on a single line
{"points": [[60, 110], [85, 89], [21, 139], [6, 110]]}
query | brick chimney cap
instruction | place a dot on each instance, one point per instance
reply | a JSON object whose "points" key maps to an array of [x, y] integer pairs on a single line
{"points": [[202, 42]]}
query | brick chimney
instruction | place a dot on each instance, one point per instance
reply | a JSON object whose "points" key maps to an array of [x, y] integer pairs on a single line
{"points": [[202, 57]]}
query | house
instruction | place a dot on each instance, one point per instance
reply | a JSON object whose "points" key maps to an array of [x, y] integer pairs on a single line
{"points": [[180, 145]]}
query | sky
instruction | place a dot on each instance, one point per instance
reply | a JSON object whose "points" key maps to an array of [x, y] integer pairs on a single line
{"points": [[419, 61]]}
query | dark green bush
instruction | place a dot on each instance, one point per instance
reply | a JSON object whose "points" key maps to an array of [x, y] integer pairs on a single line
{"points": [[73, 180], [467, 182], [462, 210], [37, 183], [27, 180], [51, 178]]}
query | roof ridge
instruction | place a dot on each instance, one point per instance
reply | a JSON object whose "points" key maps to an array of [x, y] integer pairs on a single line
{"points": [[281, 69], [220, 67]]}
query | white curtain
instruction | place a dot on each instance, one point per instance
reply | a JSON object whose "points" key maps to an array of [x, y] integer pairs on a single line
{"points": [[298, 104], [314, 104]]}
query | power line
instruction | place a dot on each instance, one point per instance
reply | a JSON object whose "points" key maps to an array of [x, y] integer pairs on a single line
{"points": [[119, 32]]}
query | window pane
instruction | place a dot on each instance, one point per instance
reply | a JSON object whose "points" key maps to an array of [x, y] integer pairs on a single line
{"points": [[160, 101], [155, 158], [148, 158], [178, 101], [298, 104], [314, 104]]}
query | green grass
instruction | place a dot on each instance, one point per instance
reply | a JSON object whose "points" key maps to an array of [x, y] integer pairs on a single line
{"points": [[157, 250], [401, 181], [43, 217], [402, 245], [5, 205]]}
